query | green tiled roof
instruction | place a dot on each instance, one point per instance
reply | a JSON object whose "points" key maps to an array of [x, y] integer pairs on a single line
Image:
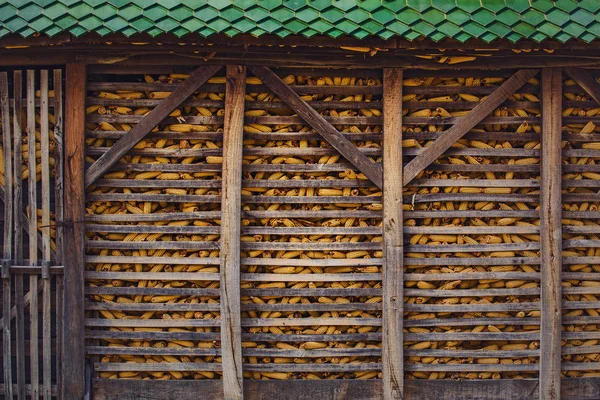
{"points": [[462, 20]]}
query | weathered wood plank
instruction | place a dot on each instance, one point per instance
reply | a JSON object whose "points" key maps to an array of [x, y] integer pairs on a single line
{"points": [[393, 274], [58, 216], [465, 124], [503, 389], [314, 119], [45, 198], [160, 112], [231, 329], [8, 236], [19, 221], [73, 346], [551, 234], [34, 238]]}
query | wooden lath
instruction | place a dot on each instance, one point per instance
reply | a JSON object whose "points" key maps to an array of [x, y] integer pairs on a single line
{"points": [[149, 122], [317, 122], [466, 123]]}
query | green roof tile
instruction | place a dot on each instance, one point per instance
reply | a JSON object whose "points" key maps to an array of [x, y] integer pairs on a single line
{"points": [[462, 20]]}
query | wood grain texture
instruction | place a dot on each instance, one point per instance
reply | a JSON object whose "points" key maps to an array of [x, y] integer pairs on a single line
{"points": [[505, 389], [551, 234], [322, 126], [393, 274], [149, 122], [46, 239], [19, 222], [34, 237], [231, 329], [73, 347], [465, 124], [8, 235], [58, 214]]}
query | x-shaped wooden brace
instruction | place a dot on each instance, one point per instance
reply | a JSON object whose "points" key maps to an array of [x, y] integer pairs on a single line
{"points": [[149, 122], [466, 123], [317, 122]]}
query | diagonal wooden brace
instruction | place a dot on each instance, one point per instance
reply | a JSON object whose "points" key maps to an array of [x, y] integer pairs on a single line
{"points": [[317, 122], [149, 122], [586, 81], [466, 123]]}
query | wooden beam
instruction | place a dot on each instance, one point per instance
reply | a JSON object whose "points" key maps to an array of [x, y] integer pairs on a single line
{"points": [[551, 234], [73, 345], [466, 123], [33, 233], [231, 327], [145, 126], [340, 389], [586, 81], [393, 274], [8, 234], [317, 122]]}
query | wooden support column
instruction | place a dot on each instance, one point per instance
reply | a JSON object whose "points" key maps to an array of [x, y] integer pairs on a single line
{"points": [[73, 345], [231, 330], [551, 234], [393, 274]]}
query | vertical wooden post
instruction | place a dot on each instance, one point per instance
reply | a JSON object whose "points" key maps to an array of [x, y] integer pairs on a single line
{"points": [[58, 216], [73, 312], [19, 222], [551, 233], [7, 245], [33, 237], [46, 308], [231, 329], [393, 275]]}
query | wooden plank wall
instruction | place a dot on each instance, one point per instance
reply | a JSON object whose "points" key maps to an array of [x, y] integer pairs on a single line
{"points": [[393, 366]]}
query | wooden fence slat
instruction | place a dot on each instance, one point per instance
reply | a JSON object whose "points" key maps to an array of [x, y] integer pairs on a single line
{"points": [[8, 225], [551, 234], [393, 282], [231, 332], [465, 124], [58, 212], [73, 346], [33, 233], [320, 124], [160, 112], [45, 197], [19, 221]]}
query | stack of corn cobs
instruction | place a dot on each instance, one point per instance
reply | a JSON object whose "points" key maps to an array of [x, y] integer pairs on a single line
{"points": [[474, 211], [581, 230]]}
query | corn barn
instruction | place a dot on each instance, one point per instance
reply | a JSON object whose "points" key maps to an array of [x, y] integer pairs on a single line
{"points": [[291, 199]]}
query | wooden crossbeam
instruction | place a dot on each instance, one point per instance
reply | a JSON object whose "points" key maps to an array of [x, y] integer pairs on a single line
{"points": [[586, 81], [317, 122], [149, 122], [466, 123]]}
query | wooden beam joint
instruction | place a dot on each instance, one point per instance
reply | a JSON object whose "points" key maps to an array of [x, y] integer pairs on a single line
{"points": [[149, 122], [318, 123]]}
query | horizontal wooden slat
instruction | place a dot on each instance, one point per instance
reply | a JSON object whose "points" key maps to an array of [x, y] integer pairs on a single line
{"points": [[484, 389]]}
